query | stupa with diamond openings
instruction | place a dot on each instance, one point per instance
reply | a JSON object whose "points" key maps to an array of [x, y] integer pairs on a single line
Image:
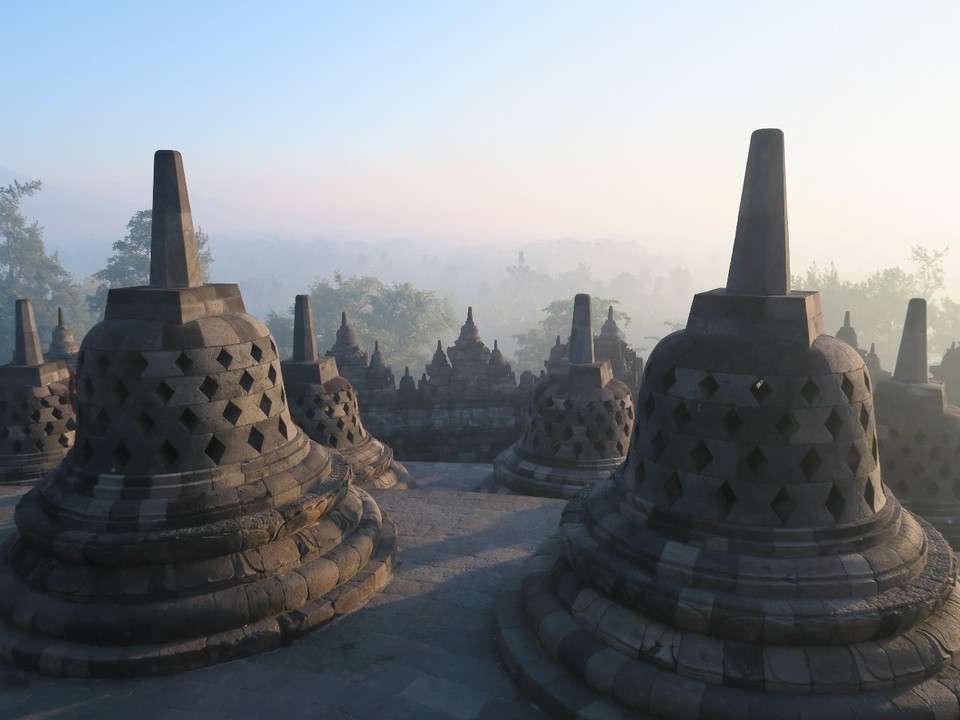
{"points": [[193, 522], [747, 561], [580, 423], [63, 346], [325, 405], [37, 422], [920, 433]]}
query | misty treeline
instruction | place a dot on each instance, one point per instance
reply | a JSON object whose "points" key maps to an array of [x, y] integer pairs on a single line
{"points": [[409, 299]]}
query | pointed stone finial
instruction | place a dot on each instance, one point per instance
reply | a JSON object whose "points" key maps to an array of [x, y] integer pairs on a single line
{"points": [[304, 338], [27, 349], [343, 319], [376, 346], [912, 358], [174, 262], [760, 264], [610, 314], [495, 347], [581, 332], [846, 319], [60, 319], [470, 314], [873, 348]]}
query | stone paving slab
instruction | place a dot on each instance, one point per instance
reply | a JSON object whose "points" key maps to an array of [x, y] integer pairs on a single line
{"points": [[423, 649]]}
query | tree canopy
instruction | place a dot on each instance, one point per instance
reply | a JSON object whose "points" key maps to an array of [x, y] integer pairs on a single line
{"points": [[129, 265], [27, 271]]}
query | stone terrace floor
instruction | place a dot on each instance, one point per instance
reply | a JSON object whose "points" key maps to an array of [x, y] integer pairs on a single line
{"points": [[423, 649]]}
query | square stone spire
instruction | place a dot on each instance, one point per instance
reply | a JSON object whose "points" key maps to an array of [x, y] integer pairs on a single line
{"points": [[304, 338], [581, 332], [174, 262], [27, 349], [760, 264], [912, 357]]}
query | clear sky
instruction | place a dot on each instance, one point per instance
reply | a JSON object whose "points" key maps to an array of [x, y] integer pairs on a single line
{"points": [[501, 121]]}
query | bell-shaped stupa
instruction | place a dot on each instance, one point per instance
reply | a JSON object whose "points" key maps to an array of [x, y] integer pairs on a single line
{"points": [[948, 372], [325, 405], [63, 346], [193, 522], [37, 421], [848, 333], [580, 423], [747, 561], [920, 433]]}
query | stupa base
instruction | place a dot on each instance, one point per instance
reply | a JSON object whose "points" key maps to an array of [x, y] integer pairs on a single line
{"points": [[513, 470]]}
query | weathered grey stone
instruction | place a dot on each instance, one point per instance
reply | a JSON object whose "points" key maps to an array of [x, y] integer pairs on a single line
{"points": [[912, 359], [173, 248]]}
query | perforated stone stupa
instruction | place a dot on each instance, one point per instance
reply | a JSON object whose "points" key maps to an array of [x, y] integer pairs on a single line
{"points": [[920, 433], [193, 522], [37, 422], [580, 423], [325, 405], [747, 561], [948, 372]]}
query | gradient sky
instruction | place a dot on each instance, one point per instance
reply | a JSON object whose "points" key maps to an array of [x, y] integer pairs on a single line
{"points": [[502, 122]]}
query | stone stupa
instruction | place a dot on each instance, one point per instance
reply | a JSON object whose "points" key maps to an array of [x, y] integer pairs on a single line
{"points": [[324, 404], [747, 561], [580, 423], [37, 421], [63, 346], [193, 522], [919, 432]]}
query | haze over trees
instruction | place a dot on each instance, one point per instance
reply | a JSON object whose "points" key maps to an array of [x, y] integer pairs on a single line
{"points": [[27, 271]]}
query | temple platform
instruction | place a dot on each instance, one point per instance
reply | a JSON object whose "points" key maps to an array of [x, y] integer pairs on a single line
{"points": [[425, 648]]}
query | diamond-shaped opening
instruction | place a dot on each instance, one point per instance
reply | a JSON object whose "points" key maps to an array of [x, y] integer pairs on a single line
{"points": [[834, 424], [145, 422], [102, 420], [708, 386], [864, 418], [120, 456], [246, 381], [282, 427], [786, 425], [783, 505], [120, 391], [668, 380], [810, 390], [103, 362], [577, 449], [44, 402], [761, 390], [681, 415], [140, 363], [224, 358], [88, 387], [873, 450], [164, 392], [311, 414], [209, 387], [756, 459], [350, 436], [328, 411], [731, 423], [870, 494], [64, 441], [169, 453], [339, 423], [332, 441], [38, 444], [48, 429], [57, 413], [35, 416], [726, 499], [599, 448], [255, 439], [255, 352], [265, 404], [853, 459], [847, 386], [71, 423], [701, 455], [619, 448], [567, 404], [214, 450], [232, 413], [673, 489], [810, 463], [189, 419], [272, 374], [658, 444], [273, 347], [835, 502], [183, 362], [567, 432]]}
